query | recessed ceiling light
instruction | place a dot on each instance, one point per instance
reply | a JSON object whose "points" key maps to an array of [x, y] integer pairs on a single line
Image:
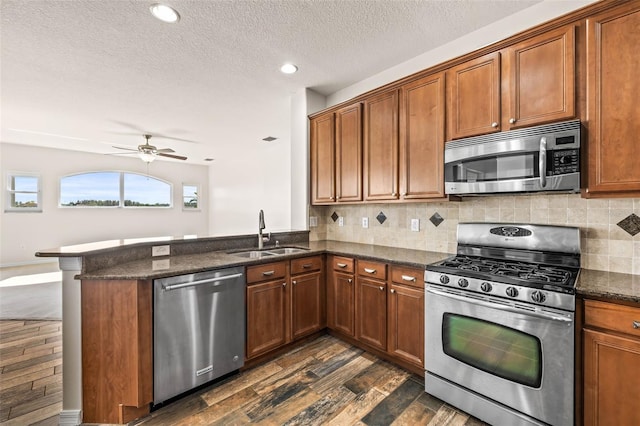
{"points": [[208, 159], [288, 68], [164, 13], [269, 139]]}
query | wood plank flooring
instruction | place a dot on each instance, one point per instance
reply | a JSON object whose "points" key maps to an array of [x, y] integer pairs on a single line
{"points": [[324, 382], [30, 372]]}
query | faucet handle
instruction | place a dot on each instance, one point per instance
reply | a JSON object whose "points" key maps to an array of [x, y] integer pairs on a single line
{"points": [[267, 237]]}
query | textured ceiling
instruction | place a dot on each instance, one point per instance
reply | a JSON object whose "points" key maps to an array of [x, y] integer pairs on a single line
{"points": [[85, 75]]}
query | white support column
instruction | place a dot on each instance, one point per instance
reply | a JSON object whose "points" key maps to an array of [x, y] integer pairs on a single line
{"points": [[71, 342]]}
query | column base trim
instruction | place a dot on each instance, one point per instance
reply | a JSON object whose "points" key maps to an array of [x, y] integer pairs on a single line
{"points": [[70, 418]]}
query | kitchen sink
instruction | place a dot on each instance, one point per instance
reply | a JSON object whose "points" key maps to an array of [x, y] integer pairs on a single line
{"points": [[259, 254]]}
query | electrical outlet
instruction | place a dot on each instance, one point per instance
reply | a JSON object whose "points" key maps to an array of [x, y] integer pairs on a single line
{"points": [[157, 265], [415, 225], [341, 221], [161, 250], [313, 221], [365, 222]]}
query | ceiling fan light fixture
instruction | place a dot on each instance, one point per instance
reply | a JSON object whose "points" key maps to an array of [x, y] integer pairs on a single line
{"points": [[288, 68], [146, 157], [164, 13]]}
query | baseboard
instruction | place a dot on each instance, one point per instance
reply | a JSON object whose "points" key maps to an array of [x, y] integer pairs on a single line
{"points": [[70, 418]]}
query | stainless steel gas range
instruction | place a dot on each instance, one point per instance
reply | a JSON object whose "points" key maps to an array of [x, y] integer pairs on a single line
{"points": [[499, 323]]}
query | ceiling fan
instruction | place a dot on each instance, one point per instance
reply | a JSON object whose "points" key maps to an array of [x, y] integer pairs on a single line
{"points": [[148, 152]]}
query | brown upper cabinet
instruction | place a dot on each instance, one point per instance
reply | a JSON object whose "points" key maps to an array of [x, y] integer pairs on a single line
{"points": [[336, 156], [422, 104], [613, 61], [529, 83], [381, 147]]}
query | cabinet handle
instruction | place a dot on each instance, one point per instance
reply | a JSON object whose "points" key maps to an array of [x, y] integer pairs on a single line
{"points": [[393, 291], [408, 278], [295, 282], [349, 280], [268, 273], [512, 120], [339, 196], [342, 265], [404, 194], [370, 271], [636, 324], [494, 125], [381, 288], [393, 194], [307, 265], [284, 284]]}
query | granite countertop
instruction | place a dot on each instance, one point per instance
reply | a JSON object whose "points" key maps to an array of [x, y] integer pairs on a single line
{"points": [[160, 267], [609, 285]]}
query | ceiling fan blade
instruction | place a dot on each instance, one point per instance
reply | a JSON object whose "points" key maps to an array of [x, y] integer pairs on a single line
{"points": [[155, 135], [126, 149], [177, 157], [165, 150], [121, 153]]}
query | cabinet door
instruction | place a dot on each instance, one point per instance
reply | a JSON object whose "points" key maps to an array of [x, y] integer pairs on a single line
{"points": [[406, 323], [541, 73], [117, 350], [266, 317], [349, 153], [371, 312], [473, 102], [343, 303], [422, 124], [381, 147], [307, 304], [611, 379], [322, 159], [613, 85]]}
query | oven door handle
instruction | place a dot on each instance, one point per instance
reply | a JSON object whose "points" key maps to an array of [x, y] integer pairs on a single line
{"points": [[500, 306]]}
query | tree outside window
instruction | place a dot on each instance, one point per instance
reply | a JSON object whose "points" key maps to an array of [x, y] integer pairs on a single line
{"points": [[23, 193]]}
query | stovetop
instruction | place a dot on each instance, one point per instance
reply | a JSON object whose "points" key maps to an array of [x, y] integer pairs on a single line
{"points": [[523, 273]]}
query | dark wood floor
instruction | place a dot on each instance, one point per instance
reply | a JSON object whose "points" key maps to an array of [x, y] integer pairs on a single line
{"points": [[30, 372], [325, 382]]}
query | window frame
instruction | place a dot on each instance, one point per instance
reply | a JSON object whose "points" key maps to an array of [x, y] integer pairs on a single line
{"points": [[121, 191], [10, 193], [198, 198]]}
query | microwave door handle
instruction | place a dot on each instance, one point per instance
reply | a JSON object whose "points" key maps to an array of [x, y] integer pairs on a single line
{"points": [[542, 162]]}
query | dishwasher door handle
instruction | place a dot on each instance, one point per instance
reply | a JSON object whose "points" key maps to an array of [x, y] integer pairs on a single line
{"points": [[201, 282]]}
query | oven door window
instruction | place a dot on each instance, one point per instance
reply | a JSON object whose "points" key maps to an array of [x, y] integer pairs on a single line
{"points": [[495, 168], [494, 348]]}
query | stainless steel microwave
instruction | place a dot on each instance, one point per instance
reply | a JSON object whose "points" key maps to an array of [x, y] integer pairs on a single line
{"points": [[541, 158]]}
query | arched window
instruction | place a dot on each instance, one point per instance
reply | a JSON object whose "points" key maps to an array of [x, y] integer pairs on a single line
{"points": [[114, 189]]}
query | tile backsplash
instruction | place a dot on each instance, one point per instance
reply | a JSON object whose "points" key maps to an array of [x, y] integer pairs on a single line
{"points": [[606, 245]]}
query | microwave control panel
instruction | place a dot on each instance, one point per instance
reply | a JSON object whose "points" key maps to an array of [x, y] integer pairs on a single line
{"points": [[566, 161]]}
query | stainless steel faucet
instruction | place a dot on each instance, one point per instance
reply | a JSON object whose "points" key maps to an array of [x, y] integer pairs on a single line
{"points": [[262, 239]]}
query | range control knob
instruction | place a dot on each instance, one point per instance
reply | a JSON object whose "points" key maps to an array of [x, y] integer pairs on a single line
{"points": [[538, 296], [444, 279], [512, 292], [486, 287], [463, 283]]}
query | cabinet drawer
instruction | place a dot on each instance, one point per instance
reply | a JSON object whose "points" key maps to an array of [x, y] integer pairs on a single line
{"points": [[344, 264], [370, 269], [611, 316], [269, 271], [407, 276], [306, 264]]}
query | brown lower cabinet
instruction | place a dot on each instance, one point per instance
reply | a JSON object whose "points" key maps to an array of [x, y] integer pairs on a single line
{"points": [[285, 302], [388, 321], [611, 342], [117, 353]]}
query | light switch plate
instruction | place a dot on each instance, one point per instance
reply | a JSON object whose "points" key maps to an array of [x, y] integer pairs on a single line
{"points": [[415, 225], [161, 250], [341, 221], [365, 222], [313, 221]]}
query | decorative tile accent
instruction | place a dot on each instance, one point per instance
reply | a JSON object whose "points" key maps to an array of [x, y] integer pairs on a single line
{"points": [[381, 218], [334, 216], [630, 224], [436, 219]]}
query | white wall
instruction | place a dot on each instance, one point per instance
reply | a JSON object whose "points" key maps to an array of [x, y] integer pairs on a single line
{"points": [[250, 182], [530, 17], [25, 233]]}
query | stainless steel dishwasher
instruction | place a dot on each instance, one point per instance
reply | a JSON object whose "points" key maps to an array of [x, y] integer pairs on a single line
{"points": [[199, 329]]}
